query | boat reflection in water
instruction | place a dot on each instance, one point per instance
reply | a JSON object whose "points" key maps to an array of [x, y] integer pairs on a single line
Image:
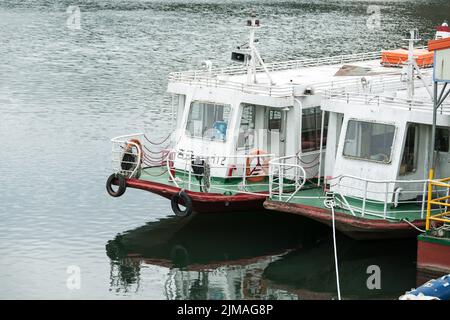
{"points": [[256, 256]]}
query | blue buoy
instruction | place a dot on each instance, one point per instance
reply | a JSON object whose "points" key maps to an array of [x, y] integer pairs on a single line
{"points": [[435, 289]]}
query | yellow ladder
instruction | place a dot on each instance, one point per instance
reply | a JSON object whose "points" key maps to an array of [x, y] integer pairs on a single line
{"points": [[440, 201]]}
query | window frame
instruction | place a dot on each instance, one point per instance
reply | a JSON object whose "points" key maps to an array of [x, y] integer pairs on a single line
{"points": [[415, 147], [242, 107], [448, 144], [214, 103], [317, 113], [389, 162]]}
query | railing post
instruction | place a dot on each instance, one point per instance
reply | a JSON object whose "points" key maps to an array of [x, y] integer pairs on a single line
{"points": [[243, 173], [422, 211], [189, 175], [270, 180], [280, 186], [365, 197], [386, 200], [430, 192]]}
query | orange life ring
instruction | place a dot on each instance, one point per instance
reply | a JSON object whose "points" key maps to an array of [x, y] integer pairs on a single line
{"points": [[131, 144], [259, 171]]}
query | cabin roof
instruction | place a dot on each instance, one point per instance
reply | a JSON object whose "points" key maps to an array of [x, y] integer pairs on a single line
{"points": [[322, 75], [291, 77]]}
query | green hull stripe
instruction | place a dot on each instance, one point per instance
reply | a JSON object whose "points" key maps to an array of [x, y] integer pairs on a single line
{"points": [[428, 238]]}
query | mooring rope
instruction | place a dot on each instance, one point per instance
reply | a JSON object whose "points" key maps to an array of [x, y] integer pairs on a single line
{"points": [[414, 226], [329, 203]]}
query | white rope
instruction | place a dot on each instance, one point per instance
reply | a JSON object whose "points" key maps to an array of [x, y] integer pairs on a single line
{"points": [[412, 225], [329, 203]]}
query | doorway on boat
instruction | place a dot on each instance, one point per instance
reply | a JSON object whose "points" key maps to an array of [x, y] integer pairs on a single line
{"points": [[441, 149], [262, 128], [313, 139], [276, 131]]}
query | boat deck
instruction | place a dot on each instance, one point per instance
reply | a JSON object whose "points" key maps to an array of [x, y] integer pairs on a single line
{"points": [[315, 197], [310, 196], [229, 186]]}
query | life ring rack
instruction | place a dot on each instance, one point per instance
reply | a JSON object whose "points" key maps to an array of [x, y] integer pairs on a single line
{"points": [[258, 172], [129, 163]]}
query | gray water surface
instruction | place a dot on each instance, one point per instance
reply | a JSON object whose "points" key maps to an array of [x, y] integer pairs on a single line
{"points": [[64, 93]]}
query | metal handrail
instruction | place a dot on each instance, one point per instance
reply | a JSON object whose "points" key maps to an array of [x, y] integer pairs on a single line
{"points": [[218, 77], [278, 174], [372, 99], [186, 163], [278, 66], [119, 150], [342, 198], [120, 142], [439, 201], [389, 196]]}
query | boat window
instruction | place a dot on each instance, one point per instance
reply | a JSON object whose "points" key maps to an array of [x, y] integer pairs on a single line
{"points": [[274, 120], [409, 159], [311, 127], [247, 128], [442, 140], [369, 141], [208, 121]]}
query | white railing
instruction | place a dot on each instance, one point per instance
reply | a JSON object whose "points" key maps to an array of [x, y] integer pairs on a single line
{"points": [[132, 152], [273, 91], [349, 195], [275, 66], [382, 100], [375, 85], [399, 198], [213, 173], [218, 77], [286, 177]]}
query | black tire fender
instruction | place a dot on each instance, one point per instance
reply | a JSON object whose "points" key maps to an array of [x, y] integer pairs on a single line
{"points": [[187, 202], [122, 185]]}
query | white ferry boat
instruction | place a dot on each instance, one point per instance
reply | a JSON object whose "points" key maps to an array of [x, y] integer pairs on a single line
{"points": [[379, 154], [231, 122]]}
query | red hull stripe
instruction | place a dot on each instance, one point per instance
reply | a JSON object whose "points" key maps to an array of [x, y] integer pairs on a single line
{"points": [[355, 227], [204, 202], [433, 256]]}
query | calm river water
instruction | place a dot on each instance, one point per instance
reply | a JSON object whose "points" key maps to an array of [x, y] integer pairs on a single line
{"points": [[65, 92]]}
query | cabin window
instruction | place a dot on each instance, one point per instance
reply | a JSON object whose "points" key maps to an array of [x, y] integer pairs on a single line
{"points": [[409, 159], [442, 140], [369, 141], [274, 120], [311, 128], [247, 128], [208, 121]]}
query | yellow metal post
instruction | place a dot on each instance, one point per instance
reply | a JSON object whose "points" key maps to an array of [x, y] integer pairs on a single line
{"points": [[430, 194]]}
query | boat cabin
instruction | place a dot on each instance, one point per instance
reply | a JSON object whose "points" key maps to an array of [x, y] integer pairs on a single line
{"points": [[224, 123], [384, 139]]}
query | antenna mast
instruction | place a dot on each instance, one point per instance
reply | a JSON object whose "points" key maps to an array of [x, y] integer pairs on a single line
{"points": [[411, 63], [253, 24]]}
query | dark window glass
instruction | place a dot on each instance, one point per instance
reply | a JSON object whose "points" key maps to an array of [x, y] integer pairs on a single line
{"points": [[369, 140], [442, 140], [275, 120], [409, 159], [246, 137], [311, 128]]}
